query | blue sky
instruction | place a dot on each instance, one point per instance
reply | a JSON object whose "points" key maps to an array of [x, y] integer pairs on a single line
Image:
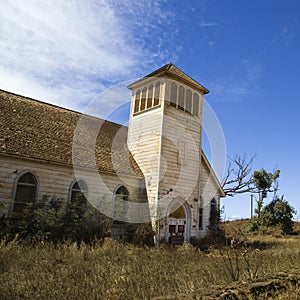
{"points": [[245, 52]]}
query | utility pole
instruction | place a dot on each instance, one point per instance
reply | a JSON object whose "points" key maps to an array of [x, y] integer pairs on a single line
{"points": [[251, 207]]}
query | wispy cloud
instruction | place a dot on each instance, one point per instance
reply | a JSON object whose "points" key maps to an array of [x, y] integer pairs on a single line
{"points": [[66, 52], [242, 82], [208, 24]]}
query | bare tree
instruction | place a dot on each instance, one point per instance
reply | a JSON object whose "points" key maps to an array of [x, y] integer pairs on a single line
{"points": [[239, 176]]}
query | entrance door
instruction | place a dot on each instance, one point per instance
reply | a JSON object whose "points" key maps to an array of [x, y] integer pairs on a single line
{"points": [[176, 225], [176, 231]]}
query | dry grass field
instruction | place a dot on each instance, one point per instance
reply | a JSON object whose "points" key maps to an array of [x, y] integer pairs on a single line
{"points": [[110, 270]]}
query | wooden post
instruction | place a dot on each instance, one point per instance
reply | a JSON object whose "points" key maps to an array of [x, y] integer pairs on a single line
{"points": [[251, 207]]}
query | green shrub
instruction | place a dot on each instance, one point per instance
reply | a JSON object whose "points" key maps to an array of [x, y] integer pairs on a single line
{"points": [[48, 219], [139, 234], [253, 226], [144, 235], [278, 213]]}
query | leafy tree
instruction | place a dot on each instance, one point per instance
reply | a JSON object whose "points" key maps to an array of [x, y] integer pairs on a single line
{"points": [[278, 213], [264, 182]]}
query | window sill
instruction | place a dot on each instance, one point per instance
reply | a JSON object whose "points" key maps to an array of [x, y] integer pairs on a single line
{"points": [[146, 110]]}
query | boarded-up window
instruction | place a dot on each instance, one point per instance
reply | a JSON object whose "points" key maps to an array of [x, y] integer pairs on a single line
{"points": [[143, 100], [157, 93], [188, 101], [137, 101], [26, 191], [172, 228], [181, 98], [173, 95], [196, 105], [150, 96]]}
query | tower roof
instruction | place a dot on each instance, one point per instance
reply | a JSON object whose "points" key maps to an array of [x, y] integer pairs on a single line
{"points": [[171, 71]]}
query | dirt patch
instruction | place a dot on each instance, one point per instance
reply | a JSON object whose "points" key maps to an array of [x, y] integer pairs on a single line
{"points": [[270, 286]]}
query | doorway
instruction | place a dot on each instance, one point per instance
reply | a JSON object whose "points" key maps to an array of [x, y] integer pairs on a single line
{"points": [[178, 223]]}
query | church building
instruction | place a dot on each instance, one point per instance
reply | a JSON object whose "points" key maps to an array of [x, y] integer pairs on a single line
{"points": [[154, 170]]}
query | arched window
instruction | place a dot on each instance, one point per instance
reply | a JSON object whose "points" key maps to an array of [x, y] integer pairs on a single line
{"points": [[150, 96], [196, 105], [147, 98], [177, 212], [156, 94], [122, 193], [120, 210], [143, 100], [181, 98], [137, 101], [173, 96], [214, 215], [188, 101], [78, 194], [25, 192]]}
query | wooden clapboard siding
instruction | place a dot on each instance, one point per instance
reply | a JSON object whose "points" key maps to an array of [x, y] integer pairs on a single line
{"points": [[56, 179], [181, 150], [209, 189], [166, 143], [144, 139]]}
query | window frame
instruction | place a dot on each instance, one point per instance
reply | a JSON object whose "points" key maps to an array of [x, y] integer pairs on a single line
{"points": [[181, 98], [213, 214], [201, 217], [84, 192], [196, 99], [18, 184], [118, 188], [188, 100], [143, 105], [147, 98], [116, 209], [156, 96], [150, 95], [137, 101], [173, 94]]}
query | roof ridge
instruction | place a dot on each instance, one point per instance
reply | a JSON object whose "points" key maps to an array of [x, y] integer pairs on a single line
{"points": [[57, 106], [170, 68], [39, 101]]}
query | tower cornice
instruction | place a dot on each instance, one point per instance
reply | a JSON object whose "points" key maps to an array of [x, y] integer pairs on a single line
{"points": [[170, 71]]}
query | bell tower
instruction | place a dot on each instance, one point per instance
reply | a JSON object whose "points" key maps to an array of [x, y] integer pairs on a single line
{"points": [[165, 139]]}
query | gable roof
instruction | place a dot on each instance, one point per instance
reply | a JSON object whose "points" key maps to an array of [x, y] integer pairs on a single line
{"points": [[171, 71], [37, 130]]}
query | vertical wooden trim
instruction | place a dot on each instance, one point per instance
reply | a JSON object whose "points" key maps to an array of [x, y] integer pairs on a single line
{"points": [[133, 98], [162, 103]]}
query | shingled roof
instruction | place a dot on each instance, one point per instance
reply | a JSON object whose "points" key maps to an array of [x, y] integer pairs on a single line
{"points": [[37, 130], [172, 72]]}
